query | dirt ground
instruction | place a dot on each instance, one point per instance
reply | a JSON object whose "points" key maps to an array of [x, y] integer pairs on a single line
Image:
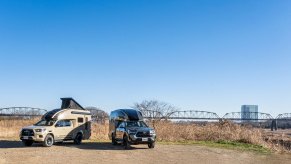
{"points": [[97, 152]]}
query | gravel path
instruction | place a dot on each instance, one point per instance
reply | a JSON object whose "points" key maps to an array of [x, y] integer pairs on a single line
{"points": [[14, 152]]}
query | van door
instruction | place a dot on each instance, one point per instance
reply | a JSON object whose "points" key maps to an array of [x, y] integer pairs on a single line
{"points": [[63, 130], [87, 128]]}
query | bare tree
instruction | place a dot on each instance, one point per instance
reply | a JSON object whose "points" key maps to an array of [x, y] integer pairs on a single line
{"points": [[155, 109], [98, 115]]}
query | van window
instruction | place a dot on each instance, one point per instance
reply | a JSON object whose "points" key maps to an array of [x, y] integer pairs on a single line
{"points": [[64, 123], [67, 122], [80, 120], [60, 123], [122, 125]]}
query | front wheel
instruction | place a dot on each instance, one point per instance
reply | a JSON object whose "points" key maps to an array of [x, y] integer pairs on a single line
{"points": [[48, 141], [126, 143], [113, 140], [78, 139], [151, 145], [27, 143]]}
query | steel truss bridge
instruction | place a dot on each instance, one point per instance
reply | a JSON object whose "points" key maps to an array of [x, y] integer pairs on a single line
{"points": [[205, 115], [176, 115], [22, 112], [183, 115], [249, 116]]}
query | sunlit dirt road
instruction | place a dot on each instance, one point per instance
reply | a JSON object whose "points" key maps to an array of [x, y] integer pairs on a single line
{"points": [[94, 152]]}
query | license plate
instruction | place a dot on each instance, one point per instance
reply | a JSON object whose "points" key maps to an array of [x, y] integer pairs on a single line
{"points": [[144, 139], [25, 137]]}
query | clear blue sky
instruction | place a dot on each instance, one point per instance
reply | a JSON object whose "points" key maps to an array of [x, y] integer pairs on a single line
{"points": [[202, 55]]}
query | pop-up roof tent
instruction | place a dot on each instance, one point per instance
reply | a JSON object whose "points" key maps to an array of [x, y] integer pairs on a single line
{"points": [[70, 103], [67, 103]]}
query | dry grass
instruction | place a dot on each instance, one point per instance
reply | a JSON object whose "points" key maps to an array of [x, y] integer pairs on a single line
{"points": [[11, 128], [225, 131], [280, 137], [172, 132], [100, 131], [214, 132]]}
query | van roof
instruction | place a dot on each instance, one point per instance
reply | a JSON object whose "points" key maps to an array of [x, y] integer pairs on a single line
{"points": [[49, 115], [131, 114], [67, 103]]}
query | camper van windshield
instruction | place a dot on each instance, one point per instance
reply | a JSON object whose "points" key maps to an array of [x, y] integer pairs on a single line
{"points": [[45, 123], [135, 124]]}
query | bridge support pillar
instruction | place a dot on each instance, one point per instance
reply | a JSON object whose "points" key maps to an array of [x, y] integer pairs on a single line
{"points": [[274, 125]]}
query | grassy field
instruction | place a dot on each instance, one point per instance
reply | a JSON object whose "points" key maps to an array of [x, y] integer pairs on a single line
{"points": [[224, 144]]}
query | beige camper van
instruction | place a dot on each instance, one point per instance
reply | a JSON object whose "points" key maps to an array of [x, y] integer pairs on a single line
{"points": [[70, 122]]}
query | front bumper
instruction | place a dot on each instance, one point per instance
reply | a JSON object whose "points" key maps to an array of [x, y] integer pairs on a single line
{"points": [[37, 137], [32, 138], [133, 139]]}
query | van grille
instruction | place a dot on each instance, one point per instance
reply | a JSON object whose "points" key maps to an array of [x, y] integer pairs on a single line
{"points": [[143, 134], [27, 132]]}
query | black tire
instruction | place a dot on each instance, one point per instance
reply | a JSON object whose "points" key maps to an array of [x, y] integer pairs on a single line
{"points": [[48, 141], [113, 140], [126, 144], [27, 142], [151, 145], [78, 139]]}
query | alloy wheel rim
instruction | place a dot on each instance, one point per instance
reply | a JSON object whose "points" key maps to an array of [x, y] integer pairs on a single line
{"points": [[49, 141]]}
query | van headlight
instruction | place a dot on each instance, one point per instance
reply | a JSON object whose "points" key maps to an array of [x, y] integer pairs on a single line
{"points": [[40, 130], [152, 132]]}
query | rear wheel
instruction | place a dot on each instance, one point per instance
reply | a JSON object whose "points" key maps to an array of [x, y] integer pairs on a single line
{"points": [[78, 139], [27, 142], [151, 145], [48, 141], [113, 140], [126, 143]]}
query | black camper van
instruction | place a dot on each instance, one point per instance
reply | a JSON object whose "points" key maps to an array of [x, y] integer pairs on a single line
{"points": [[126, 126]]}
